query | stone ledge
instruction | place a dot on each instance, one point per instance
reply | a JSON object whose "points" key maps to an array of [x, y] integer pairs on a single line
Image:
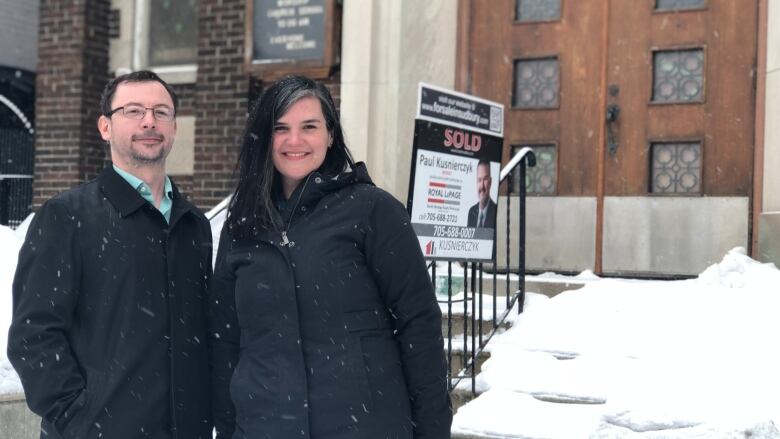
{"points": [[17, 420], [11, 397]]}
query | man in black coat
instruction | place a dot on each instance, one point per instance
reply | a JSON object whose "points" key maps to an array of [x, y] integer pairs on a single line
{"points": [[109, 328], [483, 214]]}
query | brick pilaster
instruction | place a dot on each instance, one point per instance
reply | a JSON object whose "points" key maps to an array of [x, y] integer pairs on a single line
{"points": [[221, 98], [72, 71]]}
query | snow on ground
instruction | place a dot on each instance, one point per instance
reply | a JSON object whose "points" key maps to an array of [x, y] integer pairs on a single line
{"points": [[639, 359], [10, 241], [616, 359]]}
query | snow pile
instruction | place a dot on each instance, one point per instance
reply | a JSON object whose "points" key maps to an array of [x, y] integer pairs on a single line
{"points": [[639, 359], [10, 241], [738, 270]]}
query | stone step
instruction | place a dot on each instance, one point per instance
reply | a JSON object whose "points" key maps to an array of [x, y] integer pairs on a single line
{"points": [[471, 436], [459, 325], [457, 361], [17, 420], [552, 287], [548, 287], [462, 393], [461, 397]]}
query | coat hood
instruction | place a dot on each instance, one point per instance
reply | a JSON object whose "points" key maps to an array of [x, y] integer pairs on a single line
{"points": [[316, 186]]}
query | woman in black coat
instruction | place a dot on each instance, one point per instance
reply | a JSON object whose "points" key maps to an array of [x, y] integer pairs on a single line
{"points": [[324, 321]]}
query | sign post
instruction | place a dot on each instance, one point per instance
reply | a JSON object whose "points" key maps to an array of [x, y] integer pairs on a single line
{"points": [[456, 160]]}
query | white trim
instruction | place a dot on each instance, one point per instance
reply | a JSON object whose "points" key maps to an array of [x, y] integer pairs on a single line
{"points": [[18, 113], [183, 68], [181, 74], [140, 34]]}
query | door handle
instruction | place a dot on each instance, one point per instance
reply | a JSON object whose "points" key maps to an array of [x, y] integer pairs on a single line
{"points": [[613, 112]]}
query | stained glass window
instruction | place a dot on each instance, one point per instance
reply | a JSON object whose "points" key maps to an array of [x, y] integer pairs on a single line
{"points": [[537, 83], [676, 168], [675, 5], [678, 76], [542, 178], [538, 10]]}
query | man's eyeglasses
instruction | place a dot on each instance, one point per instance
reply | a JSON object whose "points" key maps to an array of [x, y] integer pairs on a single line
{"points": [[161, 113]]}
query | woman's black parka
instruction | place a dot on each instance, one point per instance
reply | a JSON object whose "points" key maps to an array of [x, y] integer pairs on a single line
{"points": [[335, 334]]}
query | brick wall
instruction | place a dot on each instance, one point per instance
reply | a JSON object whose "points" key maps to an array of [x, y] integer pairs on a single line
{"points": [[72, 71], [333, 85], [186, 95], [94, 152], [221, 98]]}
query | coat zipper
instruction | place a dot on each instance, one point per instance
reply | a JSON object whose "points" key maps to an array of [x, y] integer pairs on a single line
{"points": [[285, 241], [172, 387], [285, 255]]}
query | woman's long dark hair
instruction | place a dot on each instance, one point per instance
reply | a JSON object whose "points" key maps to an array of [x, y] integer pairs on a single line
{"points": [[251, 208]]}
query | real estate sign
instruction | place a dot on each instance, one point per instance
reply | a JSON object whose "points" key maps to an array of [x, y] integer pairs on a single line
{"points": [[456, 160]]}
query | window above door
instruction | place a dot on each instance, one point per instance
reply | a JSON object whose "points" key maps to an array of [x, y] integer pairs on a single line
{"points": [[678, 5], [537, 10]]}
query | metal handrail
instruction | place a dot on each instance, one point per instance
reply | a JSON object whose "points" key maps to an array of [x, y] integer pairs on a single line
{"points": [[216, 210], [524, 157], [525, 152]]}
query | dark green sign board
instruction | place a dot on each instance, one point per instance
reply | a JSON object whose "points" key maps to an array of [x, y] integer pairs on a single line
{"points": [[288, 30]]}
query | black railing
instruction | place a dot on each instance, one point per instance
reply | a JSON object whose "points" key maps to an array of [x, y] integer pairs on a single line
{"points": [[17, 96], [16, 174], [474, 337]]}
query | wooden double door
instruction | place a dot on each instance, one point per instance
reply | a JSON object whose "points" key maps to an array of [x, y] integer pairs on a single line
{"points": [[641, 113]]}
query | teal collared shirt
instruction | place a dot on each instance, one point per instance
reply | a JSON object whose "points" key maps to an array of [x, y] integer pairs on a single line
{"points": [[146, 192]]}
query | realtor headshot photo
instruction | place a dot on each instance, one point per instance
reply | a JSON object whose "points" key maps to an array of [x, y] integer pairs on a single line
{"points": [[483, 213]]}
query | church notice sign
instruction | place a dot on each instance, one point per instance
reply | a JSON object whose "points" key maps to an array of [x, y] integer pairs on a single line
{"points": [[288, 30], [453, 188]]}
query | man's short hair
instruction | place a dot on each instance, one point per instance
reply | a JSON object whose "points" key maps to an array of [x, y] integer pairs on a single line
{"points": [[139, 76], [484, 162]]}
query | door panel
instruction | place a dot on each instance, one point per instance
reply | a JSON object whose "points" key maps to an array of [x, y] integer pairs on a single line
{"points": [[725, 31], [498, 41], [611, 54]]}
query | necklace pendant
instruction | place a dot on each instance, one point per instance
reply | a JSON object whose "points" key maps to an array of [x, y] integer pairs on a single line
{"points": [[286, 242]]}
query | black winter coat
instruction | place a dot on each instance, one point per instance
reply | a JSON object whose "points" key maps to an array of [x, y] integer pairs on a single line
{"points": [[109, 316], [336, 335], [490, 216]]}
